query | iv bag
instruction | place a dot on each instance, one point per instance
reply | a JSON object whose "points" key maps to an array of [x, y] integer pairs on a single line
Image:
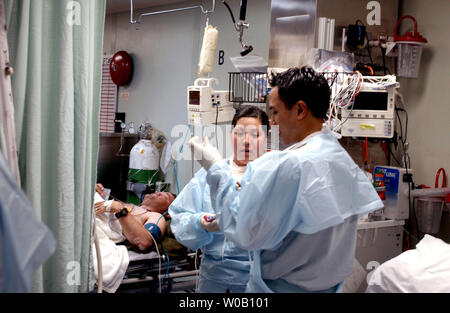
{"points": [[208, 51]]}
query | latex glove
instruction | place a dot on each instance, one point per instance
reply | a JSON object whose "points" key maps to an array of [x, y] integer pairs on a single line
{"points": [[99, 188], [209, 223], [204, 152]]}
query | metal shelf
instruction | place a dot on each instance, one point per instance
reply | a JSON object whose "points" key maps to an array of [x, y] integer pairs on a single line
{"points": [[247, 87]]}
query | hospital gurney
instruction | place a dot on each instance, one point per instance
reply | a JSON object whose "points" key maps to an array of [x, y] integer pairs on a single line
{"points": [[151, 273], [167, 267]]}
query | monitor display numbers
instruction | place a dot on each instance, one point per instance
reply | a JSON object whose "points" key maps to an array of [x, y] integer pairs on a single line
{"points": [[194, 97]]}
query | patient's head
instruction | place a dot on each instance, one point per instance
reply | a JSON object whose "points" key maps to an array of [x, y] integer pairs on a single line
{"points": [[158, 201]]}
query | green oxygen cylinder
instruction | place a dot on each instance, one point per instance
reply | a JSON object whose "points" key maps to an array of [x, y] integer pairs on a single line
{"points": [[144, 166]]}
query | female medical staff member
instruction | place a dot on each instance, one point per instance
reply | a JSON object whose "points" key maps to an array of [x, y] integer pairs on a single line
{"points": [[224, 266]]}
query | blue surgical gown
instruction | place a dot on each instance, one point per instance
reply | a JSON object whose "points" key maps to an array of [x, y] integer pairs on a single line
{"points": [[224, 265], [298, 211], [25, 243]]}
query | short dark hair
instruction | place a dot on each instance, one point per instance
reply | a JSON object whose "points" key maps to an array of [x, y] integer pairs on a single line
{"points": [[251, 111], [305, 85], [174, 195]]}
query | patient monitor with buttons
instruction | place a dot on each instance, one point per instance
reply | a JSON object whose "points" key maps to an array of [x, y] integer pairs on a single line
{"points": [[373, 111]]}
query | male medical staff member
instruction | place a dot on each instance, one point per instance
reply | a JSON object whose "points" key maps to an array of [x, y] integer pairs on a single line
{"points": [[298, 208]]}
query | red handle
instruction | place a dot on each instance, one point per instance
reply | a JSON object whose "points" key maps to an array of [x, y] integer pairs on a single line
{"points": [[444, 181], [398, 24]]}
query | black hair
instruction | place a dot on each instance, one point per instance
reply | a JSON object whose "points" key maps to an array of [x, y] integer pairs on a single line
{"points": [[174, 195], [305, 85], [252, 111]]}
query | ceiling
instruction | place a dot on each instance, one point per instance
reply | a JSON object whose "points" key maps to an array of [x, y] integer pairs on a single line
{"points": [[115, 6]]}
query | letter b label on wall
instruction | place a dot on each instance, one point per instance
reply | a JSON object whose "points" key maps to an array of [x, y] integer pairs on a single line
{"points": [[221, 57]]}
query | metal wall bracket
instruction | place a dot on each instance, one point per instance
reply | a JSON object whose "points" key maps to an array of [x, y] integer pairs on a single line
{"points": [[138, 21]]}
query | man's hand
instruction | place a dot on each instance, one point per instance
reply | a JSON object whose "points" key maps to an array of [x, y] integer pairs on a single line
{"points": [[209, 223], [204, 152], [115, 207]]}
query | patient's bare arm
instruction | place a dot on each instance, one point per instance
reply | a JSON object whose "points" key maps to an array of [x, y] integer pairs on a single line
{"points": [[133, 228], [133, 223]]}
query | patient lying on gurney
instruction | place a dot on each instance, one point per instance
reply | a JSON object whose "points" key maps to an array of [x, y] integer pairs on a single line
{"points": [[138, 223], [138, 227]]}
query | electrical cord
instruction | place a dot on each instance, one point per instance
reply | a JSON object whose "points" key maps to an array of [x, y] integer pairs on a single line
{"points": [[345, 98], [383, 54], [368, 48], [407, 164], [395, 159], [168, 261], [410, 235], [406, 158], [168, 267], [406, 126], [401, 128], [196, 269], [231, 12], [159, 259], [217, 117]]}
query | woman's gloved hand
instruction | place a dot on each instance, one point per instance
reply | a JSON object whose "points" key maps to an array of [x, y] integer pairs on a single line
{"points": [[209, 223], [99, 188], [204, 152]]}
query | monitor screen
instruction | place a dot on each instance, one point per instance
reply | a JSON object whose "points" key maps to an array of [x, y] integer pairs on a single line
{"points": [[366, 100], [194, 97]]}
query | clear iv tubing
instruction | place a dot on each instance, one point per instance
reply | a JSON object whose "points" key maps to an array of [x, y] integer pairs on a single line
{"points": [[178, 191], [176, 160]]}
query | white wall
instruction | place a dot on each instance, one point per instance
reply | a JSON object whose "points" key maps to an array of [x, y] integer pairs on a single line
{"points": [[166, 48], [428, 96], [165, 51]]}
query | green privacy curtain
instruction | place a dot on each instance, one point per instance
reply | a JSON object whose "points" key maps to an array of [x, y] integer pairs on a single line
{"points": [[56, 51]]}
